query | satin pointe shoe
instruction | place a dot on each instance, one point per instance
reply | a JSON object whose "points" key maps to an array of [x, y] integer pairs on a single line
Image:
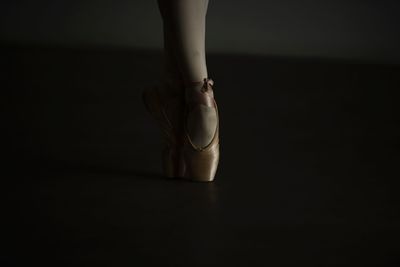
{"points": [[167, 110], [201, 163]]}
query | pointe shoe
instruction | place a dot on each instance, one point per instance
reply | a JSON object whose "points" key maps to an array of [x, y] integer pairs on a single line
{"points": [[171, 124], [201, 163]]}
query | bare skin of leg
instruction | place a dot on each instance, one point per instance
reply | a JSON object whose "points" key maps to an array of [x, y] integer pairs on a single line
{"points": [[184, 30]]}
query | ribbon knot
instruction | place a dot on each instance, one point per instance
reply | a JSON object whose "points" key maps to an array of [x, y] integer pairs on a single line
{"points": [[207, 84]]}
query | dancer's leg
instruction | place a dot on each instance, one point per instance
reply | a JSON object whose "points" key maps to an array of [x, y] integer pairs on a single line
{"points": [[188, 19], [187, 27], [171, 72]]}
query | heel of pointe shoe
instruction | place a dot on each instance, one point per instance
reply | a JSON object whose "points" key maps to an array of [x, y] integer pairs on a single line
{"points": [[201, 164]]}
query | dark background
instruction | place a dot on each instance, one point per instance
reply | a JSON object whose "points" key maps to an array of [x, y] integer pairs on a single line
{"points": [[361, 29], [308, 98]]}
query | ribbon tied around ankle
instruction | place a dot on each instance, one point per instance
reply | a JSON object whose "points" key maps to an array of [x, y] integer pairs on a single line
{"points": [[207, 83]]}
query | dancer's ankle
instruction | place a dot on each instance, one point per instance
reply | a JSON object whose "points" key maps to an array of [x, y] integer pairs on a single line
{"points": [[200, 92]]}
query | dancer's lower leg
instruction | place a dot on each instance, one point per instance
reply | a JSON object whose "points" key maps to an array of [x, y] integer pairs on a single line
{"points": [[187, 28]]}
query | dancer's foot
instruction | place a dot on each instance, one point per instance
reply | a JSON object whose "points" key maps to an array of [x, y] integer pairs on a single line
{"points": [[202, 116], [201, 133], [165, 102]]}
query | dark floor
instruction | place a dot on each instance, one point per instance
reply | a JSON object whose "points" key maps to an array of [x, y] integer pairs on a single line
{"points": [[308, 172]]}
